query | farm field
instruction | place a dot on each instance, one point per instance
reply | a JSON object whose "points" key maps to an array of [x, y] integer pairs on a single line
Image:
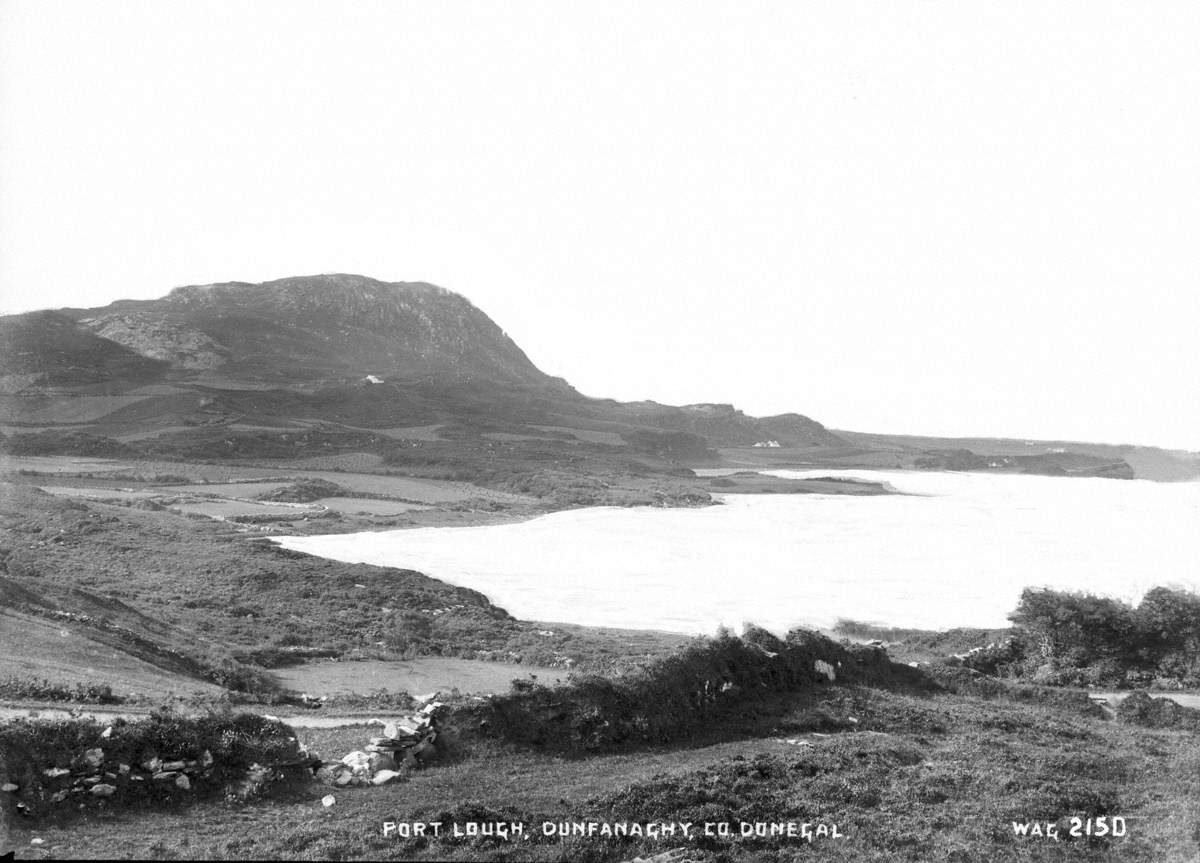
{"points": [[423, 675]]}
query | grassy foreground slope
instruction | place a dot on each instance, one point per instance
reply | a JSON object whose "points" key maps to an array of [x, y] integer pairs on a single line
{"points": [[906, 777]]}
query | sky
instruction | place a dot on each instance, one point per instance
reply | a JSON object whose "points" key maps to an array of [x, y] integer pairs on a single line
{"points": [[912, 216]]}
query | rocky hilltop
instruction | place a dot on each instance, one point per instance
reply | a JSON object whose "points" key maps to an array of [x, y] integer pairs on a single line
{"points": [[348, 352], [313, 328]]}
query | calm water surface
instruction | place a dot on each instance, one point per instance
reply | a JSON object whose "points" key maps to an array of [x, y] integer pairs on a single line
{"points": [[954, 550]]}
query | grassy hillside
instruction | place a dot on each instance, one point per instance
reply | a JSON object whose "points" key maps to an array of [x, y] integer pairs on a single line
{"points": [[192, 595], [906, 777]]}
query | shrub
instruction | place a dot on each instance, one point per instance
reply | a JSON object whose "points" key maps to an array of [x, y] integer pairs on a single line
{"points": [[1079, 639], [685, 693], [40, 689]]}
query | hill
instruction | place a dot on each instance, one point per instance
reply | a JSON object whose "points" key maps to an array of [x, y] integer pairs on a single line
{"points": [[350, 354], [240, 370]]}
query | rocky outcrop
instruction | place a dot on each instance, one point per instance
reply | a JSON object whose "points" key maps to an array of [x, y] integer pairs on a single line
{"points": [[156, 337]]}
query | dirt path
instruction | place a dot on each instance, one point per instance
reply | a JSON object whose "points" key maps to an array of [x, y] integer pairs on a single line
{"points": [[100, 714]]}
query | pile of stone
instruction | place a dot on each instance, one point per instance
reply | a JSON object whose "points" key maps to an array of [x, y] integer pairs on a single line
{"points": [[95, 773], [406, 744]]}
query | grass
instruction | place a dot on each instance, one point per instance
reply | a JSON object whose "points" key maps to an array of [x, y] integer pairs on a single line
{"points": [[916, 778], [419, 675], [188, 596], [920, 645]]}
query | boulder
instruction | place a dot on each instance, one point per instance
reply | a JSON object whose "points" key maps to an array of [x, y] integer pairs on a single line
{"points": [[358, 761], [381, 761], [103, 790], [403, 727], [383, 777], [183, 782], [93, 757]]}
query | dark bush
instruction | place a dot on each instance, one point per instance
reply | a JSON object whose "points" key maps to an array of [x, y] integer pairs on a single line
{"points": [[686, 693], [1083, 640], [40, 689]]}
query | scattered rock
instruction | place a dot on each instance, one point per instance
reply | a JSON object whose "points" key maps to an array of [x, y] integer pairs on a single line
{"points": [[173, 765], [327, 772], [401, 729], [328, 800], [10, 787], [406, 742], [103, 790], [56, 772], [381, 761], [357, 760], [183, 782]]}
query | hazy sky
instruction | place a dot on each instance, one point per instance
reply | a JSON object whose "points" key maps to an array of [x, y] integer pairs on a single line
{"points": [[929, 217]]}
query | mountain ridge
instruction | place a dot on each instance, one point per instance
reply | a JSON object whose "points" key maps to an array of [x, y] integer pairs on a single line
{"points": [[338, 348], [344, 357]]}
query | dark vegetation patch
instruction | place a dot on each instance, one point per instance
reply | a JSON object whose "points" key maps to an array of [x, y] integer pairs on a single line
{"points": [[1046, 464], [966, 681], [60, 442], [1063, 638], [1139, 708], [671, 445], [45, 758], [1078, 639], [305, 491], [28, 688], [712, 687]]}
